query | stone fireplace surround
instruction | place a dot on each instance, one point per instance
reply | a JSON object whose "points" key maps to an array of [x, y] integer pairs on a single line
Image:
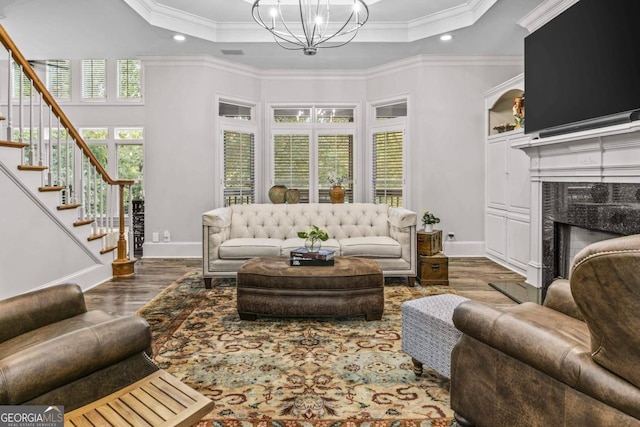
{"points": [[567, 167]]}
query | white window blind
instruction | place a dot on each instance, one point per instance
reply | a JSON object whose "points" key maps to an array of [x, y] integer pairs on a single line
{"points": [[59, 78], [129, 78], [335, 154], [239, 171], [94, 83], [388, 168], [291, 162]]}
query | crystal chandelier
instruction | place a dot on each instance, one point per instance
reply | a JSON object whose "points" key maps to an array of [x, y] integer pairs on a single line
{"points": [[310, 23]]}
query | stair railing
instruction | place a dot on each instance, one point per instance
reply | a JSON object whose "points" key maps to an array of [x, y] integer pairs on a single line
{"points": [[54, 147]]}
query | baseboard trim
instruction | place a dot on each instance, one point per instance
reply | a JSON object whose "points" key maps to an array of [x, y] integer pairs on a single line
{"points": [[471, 249], [172, 250]]}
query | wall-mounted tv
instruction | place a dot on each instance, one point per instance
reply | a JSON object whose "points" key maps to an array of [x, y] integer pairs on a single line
{"points": [[582, 69]]}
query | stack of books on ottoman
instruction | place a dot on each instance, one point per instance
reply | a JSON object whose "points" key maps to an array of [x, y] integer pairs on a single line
{"points": [[302, 256]]}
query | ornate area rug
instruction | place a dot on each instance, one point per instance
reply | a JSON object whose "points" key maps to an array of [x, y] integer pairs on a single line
{"points": [[294, 372]]}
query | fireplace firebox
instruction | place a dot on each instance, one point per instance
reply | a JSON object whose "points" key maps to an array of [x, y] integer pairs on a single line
{"points": [[576, 214]]}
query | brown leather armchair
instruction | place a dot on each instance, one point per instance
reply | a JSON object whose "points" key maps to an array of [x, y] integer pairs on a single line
{"points": [[574, 361], [55, 352]]}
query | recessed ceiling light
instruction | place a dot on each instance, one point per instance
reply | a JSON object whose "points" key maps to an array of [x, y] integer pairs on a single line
{"points": [[446, 37], [179, 37]]}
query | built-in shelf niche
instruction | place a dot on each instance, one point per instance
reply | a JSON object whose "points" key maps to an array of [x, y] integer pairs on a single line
{"points": [[502, 110]]}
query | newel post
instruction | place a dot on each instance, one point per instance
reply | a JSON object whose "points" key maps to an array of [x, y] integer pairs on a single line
{"points": [[122, 266]]}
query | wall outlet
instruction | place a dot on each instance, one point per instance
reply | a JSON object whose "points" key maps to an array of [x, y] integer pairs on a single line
{"points": [[167, 236], [451, 235], [155, 237]]}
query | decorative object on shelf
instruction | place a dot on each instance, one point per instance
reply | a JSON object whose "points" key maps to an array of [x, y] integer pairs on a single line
{"points": [[313, 238], [428, 219], [336, 193], [518, 111], [504, 127], [292, 196], [277, 194], [600, 192], [308, 25]]}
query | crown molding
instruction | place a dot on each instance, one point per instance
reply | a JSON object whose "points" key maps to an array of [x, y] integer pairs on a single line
{"points": [[173, 19], [403, 65], [544, 13]]}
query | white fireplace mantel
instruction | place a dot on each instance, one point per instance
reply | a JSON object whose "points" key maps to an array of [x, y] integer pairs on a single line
{"points": [[609, 154]]}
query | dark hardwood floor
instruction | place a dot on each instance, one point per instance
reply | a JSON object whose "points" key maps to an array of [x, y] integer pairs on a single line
{"points": [[123, 296]]}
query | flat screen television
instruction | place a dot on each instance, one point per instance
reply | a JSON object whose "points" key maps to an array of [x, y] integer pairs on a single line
{"points": [[582, 68]]}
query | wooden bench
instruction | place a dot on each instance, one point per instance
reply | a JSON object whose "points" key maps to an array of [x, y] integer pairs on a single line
{"points": [[157, 400]]}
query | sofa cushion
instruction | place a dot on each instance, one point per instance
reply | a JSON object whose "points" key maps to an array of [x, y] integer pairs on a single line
{"points": [[372, 246], [243, 248]]}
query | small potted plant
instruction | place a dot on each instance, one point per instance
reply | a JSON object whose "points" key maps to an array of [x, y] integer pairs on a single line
{"points": [[313, 238], [428, 219]]}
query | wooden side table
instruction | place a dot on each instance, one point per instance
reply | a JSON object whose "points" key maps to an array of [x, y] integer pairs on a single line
{"points": [[157, 400], [429, 242]]}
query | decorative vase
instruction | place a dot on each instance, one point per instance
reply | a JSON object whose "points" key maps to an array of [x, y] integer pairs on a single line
{"points": [[337, 194], [277, 194], [313, 245], [292, 196], [428, 228]]}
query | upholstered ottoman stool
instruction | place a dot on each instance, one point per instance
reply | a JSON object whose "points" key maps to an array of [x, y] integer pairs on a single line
{"points": [[428, 334], [271, 286]]}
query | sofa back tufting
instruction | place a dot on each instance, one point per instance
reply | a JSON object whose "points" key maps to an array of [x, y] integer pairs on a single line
{"points": [[285, 221]]}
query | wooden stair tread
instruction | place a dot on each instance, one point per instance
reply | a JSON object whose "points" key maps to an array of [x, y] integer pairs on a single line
{"points": [[108, 249], [83, 222], [65, 207], [96, 236], [157, 400], [13, 144], [51, 188], [36, 168]]}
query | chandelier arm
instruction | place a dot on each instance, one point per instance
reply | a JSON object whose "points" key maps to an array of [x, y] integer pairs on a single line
{"points": [[353, 30], [314, 31], [293, 39]]}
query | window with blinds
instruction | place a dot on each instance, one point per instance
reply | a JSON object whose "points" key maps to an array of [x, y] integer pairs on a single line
{"points": [[129, 78], [94, 82], [291, 162], [59, 78], [388, 168], [239, 170], [19, 80], [335, 154]]}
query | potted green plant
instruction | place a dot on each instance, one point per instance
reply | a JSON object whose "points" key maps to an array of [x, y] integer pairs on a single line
{"points": [[428, 219], [313, 238]]}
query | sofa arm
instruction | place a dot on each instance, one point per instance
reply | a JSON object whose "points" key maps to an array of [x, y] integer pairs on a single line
{"points": [[43, 367], [401, 217], [32, 310], [216, 227], [559, 298], [217, 218]]}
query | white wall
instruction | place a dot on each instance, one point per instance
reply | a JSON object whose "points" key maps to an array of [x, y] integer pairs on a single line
{"points": [[446, 141], [446, 138], [182, 152]]}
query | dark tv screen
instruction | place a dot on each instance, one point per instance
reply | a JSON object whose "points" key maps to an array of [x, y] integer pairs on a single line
{"points": [[583, 65]]}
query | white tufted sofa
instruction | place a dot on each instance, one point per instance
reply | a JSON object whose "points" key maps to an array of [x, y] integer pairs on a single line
{"points": [[233, 234]]}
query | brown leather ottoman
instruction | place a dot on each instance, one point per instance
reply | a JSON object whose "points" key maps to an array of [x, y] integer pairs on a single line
{"points": [[270, 286]]}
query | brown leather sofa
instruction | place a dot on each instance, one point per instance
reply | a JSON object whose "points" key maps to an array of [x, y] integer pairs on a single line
{"points": [[574, 361], [55, 352]]}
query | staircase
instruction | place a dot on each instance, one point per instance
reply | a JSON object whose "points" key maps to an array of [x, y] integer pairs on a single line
{"points": [[63, 217]]}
